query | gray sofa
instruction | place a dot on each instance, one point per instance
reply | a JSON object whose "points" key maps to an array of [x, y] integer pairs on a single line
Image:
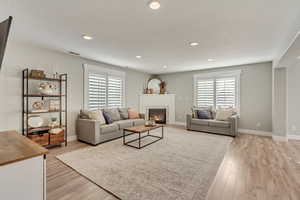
{"points": [[90, 131], [228, 127]]}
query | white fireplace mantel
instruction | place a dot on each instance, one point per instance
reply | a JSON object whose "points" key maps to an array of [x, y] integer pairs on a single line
{"points": [[167, 101]]}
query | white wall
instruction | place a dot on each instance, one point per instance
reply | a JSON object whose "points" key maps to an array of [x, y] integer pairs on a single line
{"points": [[19, 56], [256, 94]]}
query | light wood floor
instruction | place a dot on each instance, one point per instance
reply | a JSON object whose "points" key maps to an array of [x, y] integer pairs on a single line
{"points": [[254, 168]]}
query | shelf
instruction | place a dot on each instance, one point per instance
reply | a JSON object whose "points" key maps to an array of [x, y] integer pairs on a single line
{"points": [[43, 95], [43, 128], [45, 79], [50, 111]]}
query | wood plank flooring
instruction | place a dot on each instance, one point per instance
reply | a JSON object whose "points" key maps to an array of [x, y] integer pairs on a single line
{"points": [[254, 168]]}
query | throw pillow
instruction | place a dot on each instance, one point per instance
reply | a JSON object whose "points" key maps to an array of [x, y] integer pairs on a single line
{"points": [[203, 114], [97, 115], [113, 113], [223, 115], [195, 111], [133, 114], [84, 114], [124, 113], [107, 117]]}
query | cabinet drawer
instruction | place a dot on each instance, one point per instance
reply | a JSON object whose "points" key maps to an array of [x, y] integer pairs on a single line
{"points": [[42, 140], [57, 138]]}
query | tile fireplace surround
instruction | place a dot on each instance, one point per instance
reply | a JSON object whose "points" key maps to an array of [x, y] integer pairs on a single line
{"points": [[156, 101]]}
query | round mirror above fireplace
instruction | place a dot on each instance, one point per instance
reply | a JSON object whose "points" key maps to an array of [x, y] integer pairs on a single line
{"points": [[154, 85]]}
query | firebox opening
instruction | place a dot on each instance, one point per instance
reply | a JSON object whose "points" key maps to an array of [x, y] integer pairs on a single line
{"points": [[159, 115]]}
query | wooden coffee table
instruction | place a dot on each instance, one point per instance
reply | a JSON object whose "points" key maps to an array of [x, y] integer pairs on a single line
{"points": [[139, 130]]}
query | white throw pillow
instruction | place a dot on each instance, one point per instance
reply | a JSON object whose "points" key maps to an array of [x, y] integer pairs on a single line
{"points": [[223, 115], [97, 115]]}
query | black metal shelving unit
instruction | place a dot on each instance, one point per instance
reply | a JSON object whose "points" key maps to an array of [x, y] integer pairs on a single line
{"points": [[61, 96]]}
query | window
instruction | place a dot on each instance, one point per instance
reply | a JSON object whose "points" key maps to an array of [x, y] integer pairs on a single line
{"points": [[219, 90], [104, 88]]}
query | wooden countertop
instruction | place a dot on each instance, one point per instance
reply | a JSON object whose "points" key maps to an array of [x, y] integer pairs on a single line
{"points": [[15, 147]]}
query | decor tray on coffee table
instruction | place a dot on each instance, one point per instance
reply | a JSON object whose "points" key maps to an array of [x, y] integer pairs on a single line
{"points": [[139, 130]]}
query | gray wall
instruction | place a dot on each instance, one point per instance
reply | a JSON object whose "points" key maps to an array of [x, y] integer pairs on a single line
{"points": [[19, 56], [279, 101], [293, 102], [256, 94]]}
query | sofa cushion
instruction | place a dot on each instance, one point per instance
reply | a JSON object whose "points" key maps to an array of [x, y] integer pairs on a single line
{"points": [[138, 122], [125, 123], [202, 122], [97, 115], [195, 111], [113, 113], [224, 114], [124, 113], [109, 128], [220, 124]]}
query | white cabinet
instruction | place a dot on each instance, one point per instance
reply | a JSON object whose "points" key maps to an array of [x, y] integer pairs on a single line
{"points": [[24, 180]]}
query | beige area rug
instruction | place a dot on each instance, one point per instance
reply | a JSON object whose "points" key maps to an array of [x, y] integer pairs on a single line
{"points": [[181, 166]]}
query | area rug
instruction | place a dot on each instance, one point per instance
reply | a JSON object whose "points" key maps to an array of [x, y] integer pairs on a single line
{"points": [[182, 166]]}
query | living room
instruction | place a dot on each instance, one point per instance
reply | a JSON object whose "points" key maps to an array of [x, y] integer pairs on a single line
{"points": [[149, 104]]}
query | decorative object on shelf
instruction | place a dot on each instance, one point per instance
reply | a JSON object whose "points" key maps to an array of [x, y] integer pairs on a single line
{"points": [[154, 85], [55, 131], [53, 122], [37, 74], [38, 106], [35, 121], [45, 131], [47, 88], [54, 105], [162, 87], [56, 75]]}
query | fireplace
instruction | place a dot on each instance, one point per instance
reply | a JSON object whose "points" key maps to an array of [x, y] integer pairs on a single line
{"points": [[158, 114]]}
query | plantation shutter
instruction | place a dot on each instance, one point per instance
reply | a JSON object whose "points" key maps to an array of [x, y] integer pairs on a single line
{"points": [[204, 92], [96, 91], [115, 92], [226, 92]]}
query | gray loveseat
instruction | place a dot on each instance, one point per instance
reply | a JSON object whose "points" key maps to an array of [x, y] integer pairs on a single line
{"points": [[93, 132], [228, 127]]}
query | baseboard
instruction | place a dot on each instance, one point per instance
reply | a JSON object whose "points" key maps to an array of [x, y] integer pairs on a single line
{"points": [[294, 137], [255, 132], [279, 138], [71, 138]]}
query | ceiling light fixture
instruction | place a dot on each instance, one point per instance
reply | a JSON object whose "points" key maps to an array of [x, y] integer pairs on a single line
{"points": [[298, 57], [73, 53], [154, 4], [210, 60], [87, 37], [165, 66], [193, 44], [138, 57]]}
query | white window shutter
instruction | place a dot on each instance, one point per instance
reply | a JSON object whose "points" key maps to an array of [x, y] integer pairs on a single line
{"points": [[226, 92], [96, 91], [204, 92], [115, 89]]}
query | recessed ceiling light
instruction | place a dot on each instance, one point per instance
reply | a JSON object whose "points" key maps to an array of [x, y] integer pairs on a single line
{"points": [[74, 53], [138, 57], [298, 57], [193, 44], [154, 5], [165, 66], [210, 60], [87, 37]]}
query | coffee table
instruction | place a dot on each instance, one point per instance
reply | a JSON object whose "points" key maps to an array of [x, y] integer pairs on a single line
{"points": [[139, 130]]}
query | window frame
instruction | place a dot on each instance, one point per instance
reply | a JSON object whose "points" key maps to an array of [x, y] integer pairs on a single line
{"points": [[216, 75], [101, 70]]}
